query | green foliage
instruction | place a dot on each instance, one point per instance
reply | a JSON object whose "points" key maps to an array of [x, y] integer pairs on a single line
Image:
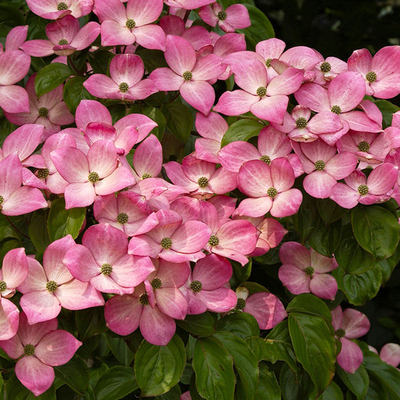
{"points": [[50, 77]]}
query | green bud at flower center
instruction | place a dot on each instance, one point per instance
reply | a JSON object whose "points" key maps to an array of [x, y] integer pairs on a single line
{"points": [[325, 67], [130, 24], [144, 299], [319, 165], [146, 176], [363, 190], [213, 241], [3, 286], [221, 15], [203, 182], [340, 333], [336, 109], [43, 112], [363, 146], [309, 271], [156, 283], [123, 87], [268, 62], [196, 286], [371, 76], [51, 286], [166, 243], [63, 42], [241, 303], [43, 173], [187, 76], [29, 349], [62, 7], [266, 159], [122, 218], [261, 91], [106, 269], [272, 192], [93, 177], [301, 123]]}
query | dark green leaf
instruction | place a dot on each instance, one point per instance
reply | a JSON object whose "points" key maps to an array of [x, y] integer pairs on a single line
{"points": [[268, 387], [75, 92], [173, 394], [240, 323], [309, 304], [199, 325], [179, 119], [50, 77], [387, 109], [38, 231], [357, 383], [74, 374], [119, 349], [332, 392], [244, 129]]}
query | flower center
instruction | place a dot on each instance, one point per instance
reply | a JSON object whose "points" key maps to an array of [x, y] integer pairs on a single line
{"points": [[122, 218], [63, 42], [261, 91], [187, 76], [62, 6], [340, 333], [241, 303], [106, 269], [156, 283], [203, 182], [196, 286], [371, 76], [146, 176], [266, 159], [29, 349], [3, 286], [213, 241], [43, 173], [51, 286], [93, 177], [144, 299], [363, 190], [319, 165], [43, 112], [301, 122], [221, 15], [325, 67], [272, 192], [130, 24], [309, 271], [166, 243], [336, 109], [123, 87], [363, 146], [268, 62]]}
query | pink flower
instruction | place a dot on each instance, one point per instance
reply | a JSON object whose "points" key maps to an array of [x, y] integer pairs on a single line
{"points": [[55, 9], [170, 239], [188, 4], [154, 305], [52, 286], [126, 72], [14, 271], [125, 26], [390, 354], [15, 38], [99, 172], [380, 72], [328, 69], [147, 159], [39, 348], [200, 178], [349, 324], [206, 287], [188, 73], [269, 188], [103, 259], [360, 189], [65, 37], [48, 110], [306, 271], [323, 166], [234, 17]]}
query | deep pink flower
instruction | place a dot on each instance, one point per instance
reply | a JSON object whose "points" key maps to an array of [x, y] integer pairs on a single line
{"points": [[54, 9], [390, 353], [188, 4], [52, 286], [269, 188], [39, 348], [147, 159], [103, 259], [349, 324], [306, 271], [15, 38], [188, 74]]}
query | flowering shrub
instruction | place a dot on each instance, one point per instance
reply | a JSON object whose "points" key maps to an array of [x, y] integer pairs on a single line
{"points": [[191, 210]]}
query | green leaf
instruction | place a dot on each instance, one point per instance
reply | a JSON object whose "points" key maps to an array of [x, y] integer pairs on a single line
{"points": [[75, 92], [119, 349], [357, 383], [62, 222], [38, 232], [159, 368], [50, 77], [213, 366], [268, 387], [173, 394], [245, 363], [179, 119], [244, 129], [89, 322], [387, 109], [240, 323], [332, 392], [199, 325], [376, 230], [74, 374], [310, 304], [116, 383]]}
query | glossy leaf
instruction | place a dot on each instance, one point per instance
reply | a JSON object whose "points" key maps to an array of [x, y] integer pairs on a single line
{"points": [[243, 129], [50, 77]]}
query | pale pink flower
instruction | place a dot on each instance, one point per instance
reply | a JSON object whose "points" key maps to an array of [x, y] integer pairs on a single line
{"points": [[15, 38], [65, 37], [269, 188], [39, 348], [328, 69], [103, 260], [349, 324], [306, 271], [390, 354], [148, 158], [55, 9], [188, 4], [207, 287]]}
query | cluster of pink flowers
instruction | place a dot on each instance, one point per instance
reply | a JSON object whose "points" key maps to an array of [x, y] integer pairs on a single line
{"points": [[149, 229]]}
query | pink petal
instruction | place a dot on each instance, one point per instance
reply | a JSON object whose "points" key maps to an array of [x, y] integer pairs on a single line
{"points": [[171, 302], [14, 65], [212, 126], [350, 356], [81, 263], [385, 61], [250, 74], [128, 68], [77, 295], [286, 203], [91, 111], [212, 271], [387, 87], [106, 284], [254, 207], [286, 83], [355, 323], [38, 48], [382, 179], [237, 16], [120, 179], [113, 34], [345, 196], [14, 99], [296, 254], [222, 181], [324, 286], [238, 235], [16, 37], [150, 37], [40, 306], [102, 86], [199, 94], [359, 121], [390, 353], [271, 109], [23, 201], [190, 237], [235, 154], [148, 157], [15, 268], [235, 103], [319, 184], [86, 35], [341, 165], [295, 280], [166, 79], [360, 61], [144, 11], [156, 327], [218, 300], [79, 195], [208, 67], [102, 158], [9, 321], [254, 178], [282, 174], [76, 169], [313, 96], [110, 10], [179, 54]]}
